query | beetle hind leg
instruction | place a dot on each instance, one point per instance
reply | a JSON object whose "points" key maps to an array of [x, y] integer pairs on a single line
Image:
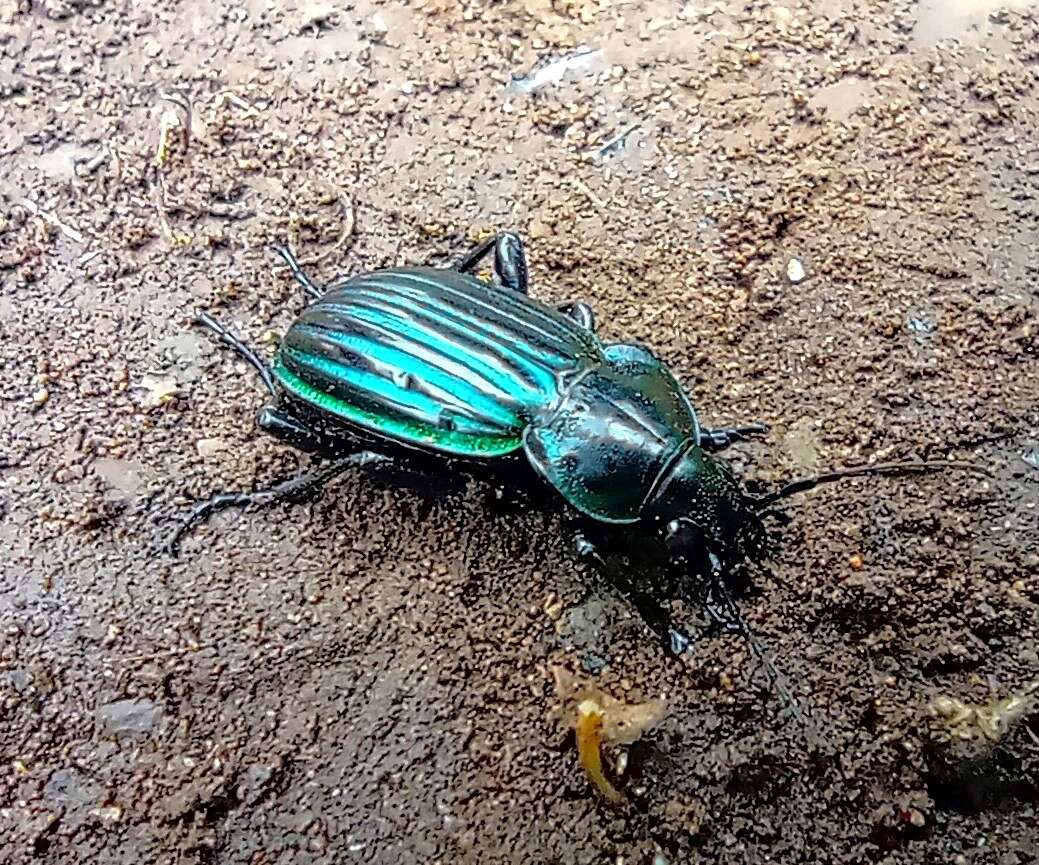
{"points": [[510, 260], [233, 342], [291, 430], [299, 489], [312, 289], [283, 424]]}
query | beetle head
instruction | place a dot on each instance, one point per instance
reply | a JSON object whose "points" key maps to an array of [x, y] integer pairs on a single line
{"points": [[702, 507]]}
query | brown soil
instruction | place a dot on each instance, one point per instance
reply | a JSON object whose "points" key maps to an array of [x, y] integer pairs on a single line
{"points": [[368, 678]]}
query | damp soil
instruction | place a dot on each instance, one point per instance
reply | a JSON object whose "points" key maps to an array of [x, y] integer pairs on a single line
{"points": [[368, 678]]}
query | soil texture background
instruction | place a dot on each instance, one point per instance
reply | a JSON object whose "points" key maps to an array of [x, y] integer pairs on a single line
{"points": [[823, 216]]}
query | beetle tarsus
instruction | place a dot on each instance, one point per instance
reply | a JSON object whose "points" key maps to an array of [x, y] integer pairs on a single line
{"points": [[719, 439], [587, 551], [233, 342], [724, 611], [313, 290], [298, 489]]}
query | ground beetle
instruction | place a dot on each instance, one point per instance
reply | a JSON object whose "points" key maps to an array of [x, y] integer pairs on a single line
{"points": [[436, 360]]}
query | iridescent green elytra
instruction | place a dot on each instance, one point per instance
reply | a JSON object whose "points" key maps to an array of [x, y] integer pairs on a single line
{"points": [[434, 358]]}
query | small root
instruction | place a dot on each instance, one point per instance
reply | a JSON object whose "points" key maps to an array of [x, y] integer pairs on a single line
{"points": [[349, 221]]}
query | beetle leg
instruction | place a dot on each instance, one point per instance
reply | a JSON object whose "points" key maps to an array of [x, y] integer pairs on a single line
{"points": [[297, 489], [312, 289], [581, 313], [510, 260], [675, 640], [467, 264], [719, 439], [299, 434], [245, 351], [719, 613]]}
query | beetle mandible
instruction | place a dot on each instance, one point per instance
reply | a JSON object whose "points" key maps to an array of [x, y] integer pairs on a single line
{"points": [[436, 360]]}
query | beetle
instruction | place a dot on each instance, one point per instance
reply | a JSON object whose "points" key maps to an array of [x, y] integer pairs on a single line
{"points": [[436, 361]]}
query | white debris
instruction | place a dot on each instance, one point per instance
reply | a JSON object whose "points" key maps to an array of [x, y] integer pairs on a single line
{"points": [[795, 271], [584, 61], [158, 390]]}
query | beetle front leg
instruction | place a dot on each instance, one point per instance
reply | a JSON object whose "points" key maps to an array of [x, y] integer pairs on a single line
{"points": [[675, 640], [298, 489], [719, 439], [510, 260]]}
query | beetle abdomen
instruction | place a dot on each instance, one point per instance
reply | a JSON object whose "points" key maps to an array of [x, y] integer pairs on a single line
{"points": [[433, 358]]}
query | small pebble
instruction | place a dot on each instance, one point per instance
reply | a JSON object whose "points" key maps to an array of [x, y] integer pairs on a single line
{"points": [[795, 271], [553, 607], [316, 14], [622, 764], [207, 447], [110, 814]]}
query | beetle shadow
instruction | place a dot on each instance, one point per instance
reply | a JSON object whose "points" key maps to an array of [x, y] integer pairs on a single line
{"points": [[631, 562], [506, 486]]}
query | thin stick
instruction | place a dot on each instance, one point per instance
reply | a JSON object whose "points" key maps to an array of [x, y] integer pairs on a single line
{"points": [[612, 144], [67, 230], [349, 221]]}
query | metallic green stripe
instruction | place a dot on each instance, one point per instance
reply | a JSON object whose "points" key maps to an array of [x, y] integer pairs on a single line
{"points": [[484, 362], [404, 429], [523, 313], [436, 371], [502, 352]]}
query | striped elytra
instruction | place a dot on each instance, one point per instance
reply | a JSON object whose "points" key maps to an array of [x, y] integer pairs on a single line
{"points": [[434, 358]]}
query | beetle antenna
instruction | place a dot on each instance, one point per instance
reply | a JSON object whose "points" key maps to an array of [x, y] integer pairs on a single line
{"points": [[891, 469], [776, 677]]}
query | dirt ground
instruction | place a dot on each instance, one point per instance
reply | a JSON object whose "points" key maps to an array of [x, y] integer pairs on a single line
{"points": [[368, 678]]}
